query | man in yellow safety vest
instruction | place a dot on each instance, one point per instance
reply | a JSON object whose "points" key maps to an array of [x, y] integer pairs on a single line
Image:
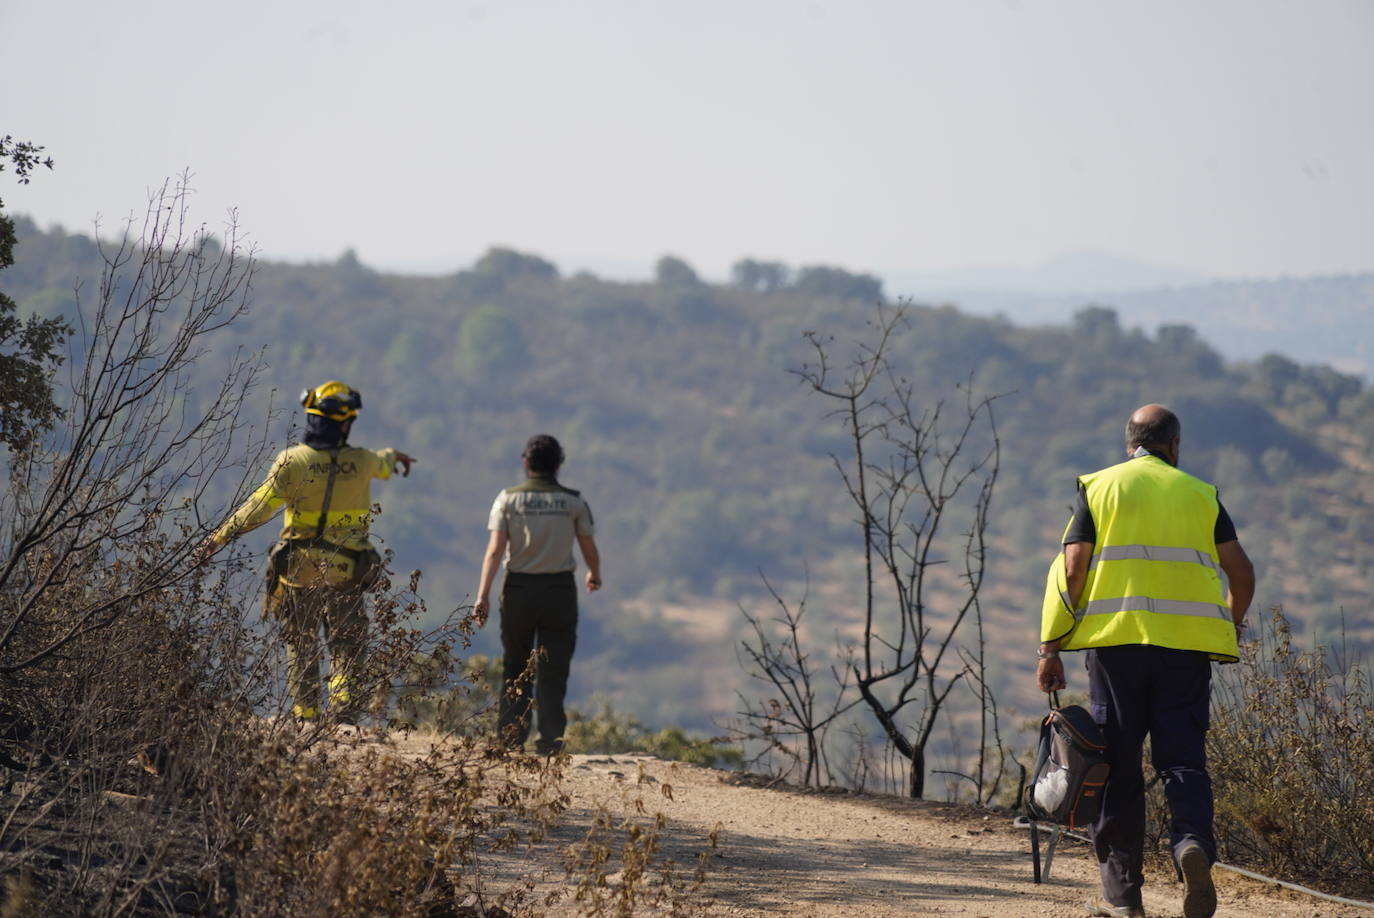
{"points": [[322, 566], [1138, 587]]}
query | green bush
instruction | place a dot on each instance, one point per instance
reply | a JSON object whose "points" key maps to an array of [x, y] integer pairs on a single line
{"points": [[609, 733], [428, 698], [425, 700]]}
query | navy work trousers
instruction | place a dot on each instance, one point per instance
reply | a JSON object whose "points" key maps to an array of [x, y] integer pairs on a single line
{"points": [[1165, 693], [538, 612]]}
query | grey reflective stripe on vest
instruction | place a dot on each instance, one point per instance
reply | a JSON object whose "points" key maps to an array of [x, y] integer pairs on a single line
{"points": [[1158, 606], [1153, 553]]}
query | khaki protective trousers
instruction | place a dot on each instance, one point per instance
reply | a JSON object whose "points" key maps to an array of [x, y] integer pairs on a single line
{"points": [[341, 613]]}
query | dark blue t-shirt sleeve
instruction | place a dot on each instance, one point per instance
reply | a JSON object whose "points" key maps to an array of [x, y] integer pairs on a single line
{"points": [[1226, 530], [1083, 529]]}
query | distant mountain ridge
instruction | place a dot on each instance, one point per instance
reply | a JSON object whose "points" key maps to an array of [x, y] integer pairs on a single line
{"points": [[1077, 273], [1325, 319]]}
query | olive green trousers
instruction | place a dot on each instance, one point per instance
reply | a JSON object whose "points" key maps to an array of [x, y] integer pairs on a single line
{"points": [[539, 621]]}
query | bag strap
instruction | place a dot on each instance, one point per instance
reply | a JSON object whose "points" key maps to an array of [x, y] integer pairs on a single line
{"points": [[328, 490], [1053, 700]]}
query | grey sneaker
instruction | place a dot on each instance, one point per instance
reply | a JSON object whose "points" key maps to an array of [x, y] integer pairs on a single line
{"points": [[1199, 895], [1104, 909]]}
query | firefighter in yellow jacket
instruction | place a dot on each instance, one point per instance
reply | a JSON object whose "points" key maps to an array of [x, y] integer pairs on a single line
{"points": [[322, 566]]}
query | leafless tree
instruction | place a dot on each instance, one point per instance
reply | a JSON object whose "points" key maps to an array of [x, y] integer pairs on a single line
{"points": [[107, 509], [923, 486], [792, 720]]}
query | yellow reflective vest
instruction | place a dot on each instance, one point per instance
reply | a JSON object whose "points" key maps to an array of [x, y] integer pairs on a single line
{"points": [[1154, 577], [297, 480]]}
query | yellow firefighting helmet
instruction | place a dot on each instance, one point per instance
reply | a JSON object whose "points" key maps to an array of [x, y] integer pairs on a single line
{"points": [[334, 400]]}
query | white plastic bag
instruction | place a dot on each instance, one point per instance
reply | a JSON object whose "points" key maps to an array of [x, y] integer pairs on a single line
{"points": [[1051, 788]]}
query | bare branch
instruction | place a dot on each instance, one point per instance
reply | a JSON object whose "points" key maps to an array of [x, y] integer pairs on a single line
{"points": [[144, 455], [913, 477]]}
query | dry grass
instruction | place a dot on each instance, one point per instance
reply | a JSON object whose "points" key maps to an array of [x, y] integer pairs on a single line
{"points": [[170, 788]]}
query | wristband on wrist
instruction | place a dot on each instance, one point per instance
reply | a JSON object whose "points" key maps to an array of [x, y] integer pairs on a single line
{"points": [[1048, 654]]}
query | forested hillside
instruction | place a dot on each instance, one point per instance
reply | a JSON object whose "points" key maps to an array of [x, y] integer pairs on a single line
{"points": [[707, 463]]}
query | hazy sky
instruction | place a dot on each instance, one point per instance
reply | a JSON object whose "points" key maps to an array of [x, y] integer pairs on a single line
{"points": [[1230, 138]]}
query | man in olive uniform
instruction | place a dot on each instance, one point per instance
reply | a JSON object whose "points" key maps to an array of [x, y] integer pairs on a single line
{"points": [[533, 526], [1138, 588], [324, 562]]}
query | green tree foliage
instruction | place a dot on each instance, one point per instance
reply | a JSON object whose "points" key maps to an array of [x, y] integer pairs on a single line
{"points": [[52, 303], [357, 279], [838, 284], [499, 269], [508, 263], [490, 340], [671, 271], [411, 349], [23, 156], [1273, 374], [682, 295], [29, 349], [765, 276], [1183, 352], [686, 535], [817, 281], [609, 732]]}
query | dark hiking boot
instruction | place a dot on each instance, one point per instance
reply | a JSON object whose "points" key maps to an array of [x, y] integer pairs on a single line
{"points": [[1199, 895], [548, 750]]}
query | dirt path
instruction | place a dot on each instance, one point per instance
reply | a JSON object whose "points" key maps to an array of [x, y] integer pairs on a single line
{"points": [[790, 852], [794, 852]]}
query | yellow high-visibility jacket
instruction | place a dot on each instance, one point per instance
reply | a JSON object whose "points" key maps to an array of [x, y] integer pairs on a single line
{"points": [[1154, 577], [297, 480]]}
